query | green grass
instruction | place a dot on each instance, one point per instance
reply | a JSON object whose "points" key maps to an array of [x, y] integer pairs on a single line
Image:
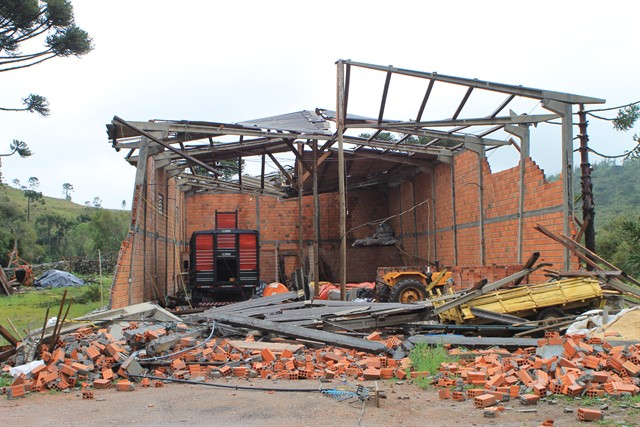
{"points": [[27, 310], [428, 358]]}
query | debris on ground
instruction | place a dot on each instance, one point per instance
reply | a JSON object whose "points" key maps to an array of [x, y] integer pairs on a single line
{"points": [[341, 344]]}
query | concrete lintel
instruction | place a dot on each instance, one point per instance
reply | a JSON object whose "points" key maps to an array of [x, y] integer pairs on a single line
{"points": [[473, 144], [446, 159]]}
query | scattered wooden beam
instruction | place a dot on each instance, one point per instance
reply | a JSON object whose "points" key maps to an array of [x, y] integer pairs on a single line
{"points": [[14, 328], [259, 345], [302, 333], [7, 336], [6, 285], [593, 259], [528, 268]]}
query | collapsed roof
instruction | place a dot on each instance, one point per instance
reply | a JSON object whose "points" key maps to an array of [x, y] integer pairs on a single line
{"points": [[377, 149]]}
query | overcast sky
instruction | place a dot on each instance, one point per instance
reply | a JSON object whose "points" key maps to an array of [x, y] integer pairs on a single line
{"points": [[234, 61]]}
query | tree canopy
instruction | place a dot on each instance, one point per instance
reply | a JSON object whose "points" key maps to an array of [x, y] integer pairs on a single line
{"points": [[51, 20], [48, 29]]}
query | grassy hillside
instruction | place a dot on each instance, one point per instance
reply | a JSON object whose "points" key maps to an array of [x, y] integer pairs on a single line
{"points": [[57, 229], [64, 208]]}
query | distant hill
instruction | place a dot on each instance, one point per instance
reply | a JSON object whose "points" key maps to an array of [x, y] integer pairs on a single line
{"points": [[58, 228], [616, 190], [66, 209]]}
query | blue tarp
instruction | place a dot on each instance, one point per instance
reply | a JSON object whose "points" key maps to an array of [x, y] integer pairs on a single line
{"points": [[57, 279]]}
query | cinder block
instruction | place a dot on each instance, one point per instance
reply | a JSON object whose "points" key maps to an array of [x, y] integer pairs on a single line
{"points": [[371, 374], [585, 414], [99, 384], [484, 400], [458, 396], [124, 385], [491, 412], [16, 391], [529, 399], [240, 371], [267, 355]]}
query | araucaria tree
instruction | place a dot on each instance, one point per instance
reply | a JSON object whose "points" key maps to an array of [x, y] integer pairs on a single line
{"points": [[46, 29], [24, 23]]}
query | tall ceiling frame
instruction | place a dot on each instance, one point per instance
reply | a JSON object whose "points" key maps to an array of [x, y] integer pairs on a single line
{"points": [[187, 148]]}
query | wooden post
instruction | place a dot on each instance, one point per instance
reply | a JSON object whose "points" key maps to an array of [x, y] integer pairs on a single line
{"points": [[341, 184], [588, 206], [316, 222], [300, 233], [100, 273]]}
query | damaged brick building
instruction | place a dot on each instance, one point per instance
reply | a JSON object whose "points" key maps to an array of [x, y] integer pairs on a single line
{"points": [[431, 181]]}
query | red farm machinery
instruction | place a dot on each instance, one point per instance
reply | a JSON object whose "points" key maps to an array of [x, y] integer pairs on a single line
{"points": [[224, 262]]}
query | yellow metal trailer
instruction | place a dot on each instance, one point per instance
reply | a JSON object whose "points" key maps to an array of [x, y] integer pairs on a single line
{"points": [[541, 301]]}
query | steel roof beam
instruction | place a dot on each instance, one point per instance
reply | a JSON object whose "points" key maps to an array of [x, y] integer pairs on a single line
{"points": [[165, 145], [462, 103], [401, 147], [424, 100], [484, 121], [485, 85]]}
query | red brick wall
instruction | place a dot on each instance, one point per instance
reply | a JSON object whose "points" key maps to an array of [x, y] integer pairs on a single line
{"points": [[543, 205], [277, 221], [150, 257], [420, 211]]}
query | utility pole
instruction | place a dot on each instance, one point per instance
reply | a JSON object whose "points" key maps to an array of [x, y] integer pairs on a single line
{"points": [[588, 206]]}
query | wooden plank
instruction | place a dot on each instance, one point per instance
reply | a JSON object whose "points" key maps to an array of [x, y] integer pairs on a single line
{"points": [[271, 309], [302, 333], [252, 303], [371, 322], [307, 313], [7, 335], [584, 273], [6, 286], [491, 286], [259, 345], [591, 259]]}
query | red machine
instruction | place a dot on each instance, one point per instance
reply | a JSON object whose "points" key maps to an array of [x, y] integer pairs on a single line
{"points": [[224, 262]]}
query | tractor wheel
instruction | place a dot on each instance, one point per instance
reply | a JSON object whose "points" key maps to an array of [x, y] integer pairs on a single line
{"points": [[407, 291], [551, 314]]}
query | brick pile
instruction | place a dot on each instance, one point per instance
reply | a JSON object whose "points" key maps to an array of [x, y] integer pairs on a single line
{"points": [[91, 359], [87, 358], [589, 368]]}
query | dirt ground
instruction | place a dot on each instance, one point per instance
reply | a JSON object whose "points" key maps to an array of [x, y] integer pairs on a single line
{"points": [[185, 404]]}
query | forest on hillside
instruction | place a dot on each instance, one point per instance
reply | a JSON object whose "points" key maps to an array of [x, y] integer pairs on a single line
{"points": [[45, 229], [616, 193]]}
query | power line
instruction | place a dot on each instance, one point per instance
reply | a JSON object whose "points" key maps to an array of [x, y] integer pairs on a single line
{"points": [[612, 108]]}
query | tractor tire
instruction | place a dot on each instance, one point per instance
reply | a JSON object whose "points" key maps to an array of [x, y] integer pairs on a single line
{"points": [[551, 313], [408, 291]]}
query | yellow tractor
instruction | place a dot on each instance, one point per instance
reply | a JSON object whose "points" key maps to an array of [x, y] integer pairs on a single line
{"points": [[410, 284]]}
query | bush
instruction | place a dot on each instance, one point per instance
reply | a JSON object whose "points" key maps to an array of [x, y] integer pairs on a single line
{"points": [[90, 294], [429, 358]]}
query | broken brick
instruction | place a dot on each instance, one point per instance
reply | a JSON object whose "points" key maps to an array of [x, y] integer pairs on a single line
{"points": [[585, 414]]}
